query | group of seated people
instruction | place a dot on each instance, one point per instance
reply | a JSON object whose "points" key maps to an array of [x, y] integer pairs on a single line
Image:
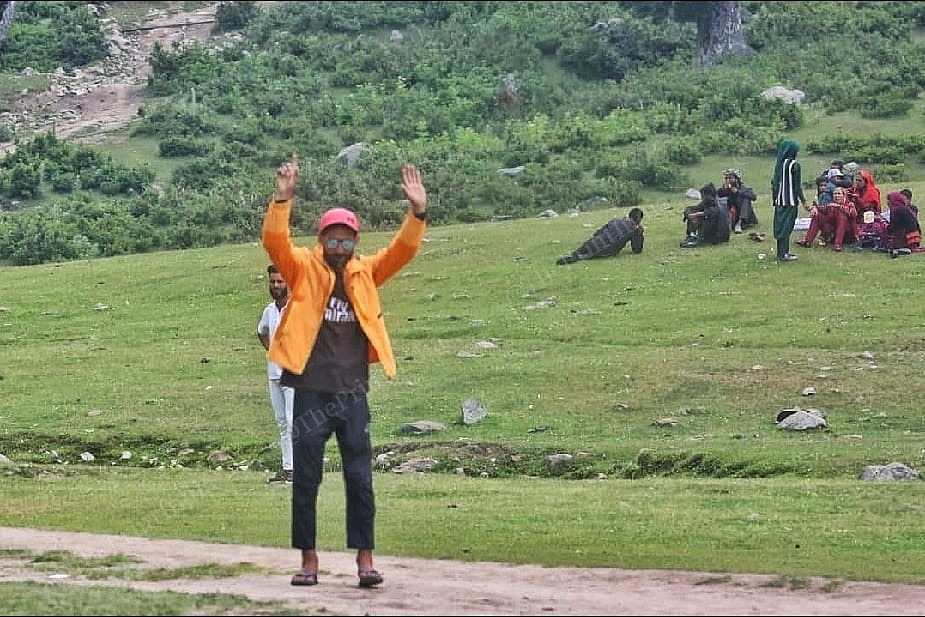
{"points": [[847, 210], [728, 209]]}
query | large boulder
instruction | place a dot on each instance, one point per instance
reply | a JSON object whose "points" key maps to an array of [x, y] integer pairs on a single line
{"points": [[783, 94], [893, 471], [349, 155]]}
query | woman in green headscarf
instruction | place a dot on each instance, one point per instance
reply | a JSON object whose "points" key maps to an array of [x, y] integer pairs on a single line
{"points": [[787, 193]]}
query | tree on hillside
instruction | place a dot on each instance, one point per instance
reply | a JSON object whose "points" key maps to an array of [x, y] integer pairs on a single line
{"points": [[7, 9], [719, 25]]}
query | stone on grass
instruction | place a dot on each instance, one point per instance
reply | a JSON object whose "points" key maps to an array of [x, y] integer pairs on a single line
{"points": [[893, 471], [422, 426], [800, 420], [473, 411]]}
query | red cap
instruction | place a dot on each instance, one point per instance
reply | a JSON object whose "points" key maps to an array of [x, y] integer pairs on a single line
{"points": [[339, 216]]}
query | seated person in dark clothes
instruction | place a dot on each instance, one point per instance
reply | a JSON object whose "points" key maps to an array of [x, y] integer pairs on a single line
{"points": [[903, 235], [837, 175], [708, 221], [610, 239], [739, 199], [908, 194]]}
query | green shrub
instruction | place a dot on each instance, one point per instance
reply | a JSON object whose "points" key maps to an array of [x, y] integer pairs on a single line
{"points": [[64, 182], [25, 179], [683, 151], [234, 15], [886, 105], [181, 146], [46, 35]]}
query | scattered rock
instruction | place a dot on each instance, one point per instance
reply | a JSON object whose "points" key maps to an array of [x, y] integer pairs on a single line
{"points": [[799, 420], [557, 460], [666, 422], [218, 456], [781, 93], [473, 411], [893, 471], [422, 426], [417, 465], [351, 154], [548, 302]]}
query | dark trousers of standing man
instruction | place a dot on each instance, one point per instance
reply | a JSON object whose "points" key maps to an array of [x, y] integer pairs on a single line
{"points": [[315, 416]]}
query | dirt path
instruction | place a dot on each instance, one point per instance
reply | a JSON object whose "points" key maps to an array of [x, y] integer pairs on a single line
{"points": [[439, 587], [106, 97]]}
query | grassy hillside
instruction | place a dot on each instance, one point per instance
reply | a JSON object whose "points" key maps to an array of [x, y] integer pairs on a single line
{"points": [[599, 102], [660, 373], [163, 347], [157, 353]]}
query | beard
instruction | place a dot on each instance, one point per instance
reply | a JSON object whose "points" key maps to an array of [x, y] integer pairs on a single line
{"points": [[337, 262]]}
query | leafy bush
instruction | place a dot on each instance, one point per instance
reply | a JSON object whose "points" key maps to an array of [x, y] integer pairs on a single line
{"points": [[64, 182], [25, 179], [650, 170], [886, 105], [172, 121], [180, 146], [234, 15], [46, 35], [683, 151], [621, 44]]}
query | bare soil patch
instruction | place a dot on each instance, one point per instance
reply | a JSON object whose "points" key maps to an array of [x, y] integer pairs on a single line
{"points": [[443, 587], [106, 97]]}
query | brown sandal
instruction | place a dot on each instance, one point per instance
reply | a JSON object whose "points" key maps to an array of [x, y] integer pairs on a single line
{"points": [[305, 578], [369, 577]]}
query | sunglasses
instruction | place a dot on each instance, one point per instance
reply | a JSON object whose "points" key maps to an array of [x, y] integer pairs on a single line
{"points": [[332, 243]]}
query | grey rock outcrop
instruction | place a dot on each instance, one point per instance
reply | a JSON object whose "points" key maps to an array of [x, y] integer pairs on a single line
{"points": [[800, 420], [351, 154], [473, 411], [784, 94], [893, 471], [422, 426]]}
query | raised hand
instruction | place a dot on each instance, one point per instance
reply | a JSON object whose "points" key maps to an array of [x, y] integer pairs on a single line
{"points": [[413, 188], [287, 176]]}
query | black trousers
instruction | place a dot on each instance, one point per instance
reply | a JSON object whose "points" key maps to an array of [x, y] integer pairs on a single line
{"points": [[315, 416]]}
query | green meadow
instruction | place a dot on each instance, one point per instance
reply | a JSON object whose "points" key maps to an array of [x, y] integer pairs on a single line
{"points": [[660, 374]]}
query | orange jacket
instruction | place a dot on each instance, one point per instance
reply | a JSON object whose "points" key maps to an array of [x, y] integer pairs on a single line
{"points": [[311, 282]]}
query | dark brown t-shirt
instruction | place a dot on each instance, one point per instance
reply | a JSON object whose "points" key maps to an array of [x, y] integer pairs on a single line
{"points": [[339, 362]]}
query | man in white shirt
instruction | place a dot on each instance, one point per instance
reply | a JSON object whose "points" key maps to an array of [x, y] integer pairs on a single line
{"points": [[281, 396]]}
